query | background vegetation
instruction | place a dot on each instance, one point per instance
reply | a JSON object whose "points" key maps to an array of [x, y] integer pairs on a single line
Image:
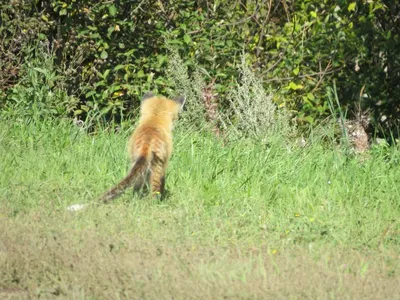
{"points": [[104, 55]]}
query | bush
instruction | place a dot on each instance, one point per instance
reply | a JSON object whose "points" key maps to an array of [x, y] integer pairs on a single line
{"points": [[190, 86], [110, 53], [253, 113], [40, 90]]}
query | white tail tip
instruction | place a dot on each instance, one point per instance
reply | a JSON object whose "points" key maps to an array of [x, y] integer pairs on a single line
{"points": [[76, 207]]}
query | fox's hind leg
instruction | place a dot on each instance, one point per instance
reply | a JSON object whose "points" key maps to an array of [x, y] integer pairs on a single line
{"points": [[157, 178], [141, 186]]}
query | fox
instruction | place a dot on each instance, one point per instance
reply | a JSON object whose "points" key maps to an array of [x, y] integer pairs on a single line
{"points": [[149, 149], [150, 146]]}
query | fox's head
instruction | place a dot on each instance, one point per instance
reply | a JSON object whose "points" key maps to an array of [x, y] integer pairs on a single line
{"points": [[153, 105]]}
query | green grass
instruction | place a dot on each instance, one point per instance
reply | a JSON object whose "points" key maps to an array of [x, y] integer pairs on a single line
{"points": [[242, 220]]}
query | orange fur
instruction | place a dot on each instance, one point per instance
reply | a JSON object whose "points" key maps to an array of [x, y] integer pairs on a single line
{"points": [[150, 146]]}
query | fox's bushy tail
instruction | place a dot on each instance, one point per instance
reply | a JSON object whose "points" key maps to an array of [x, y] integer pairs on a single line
{"points": [[138, 169]]}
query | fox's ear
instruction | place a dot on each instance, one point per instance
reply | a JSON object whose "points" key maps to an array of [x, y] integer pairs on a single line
{"points": [[147, 95], [181, 100]]}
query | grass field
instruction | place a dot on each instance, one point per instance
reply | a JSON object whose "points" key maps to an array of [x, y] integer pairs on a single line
{"points": [[241, 221]]}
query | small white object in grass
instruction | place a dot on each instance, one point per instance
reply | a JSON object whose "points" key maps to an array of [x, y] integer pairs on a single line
{"points": [[76, 207]]}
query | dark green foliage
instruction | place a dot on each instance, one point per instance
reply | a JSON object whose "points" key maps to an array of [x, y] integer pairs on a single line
{"points": [[110, 52]]}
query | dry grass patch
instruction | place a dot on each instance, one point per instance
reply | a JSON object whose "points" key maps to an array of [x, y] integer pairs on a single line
{"points": [[44, 255]]}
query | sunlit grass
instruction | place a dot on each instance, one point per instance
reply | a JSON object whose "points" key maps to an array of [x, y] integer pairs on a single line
{"points": [[268, 199]]}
